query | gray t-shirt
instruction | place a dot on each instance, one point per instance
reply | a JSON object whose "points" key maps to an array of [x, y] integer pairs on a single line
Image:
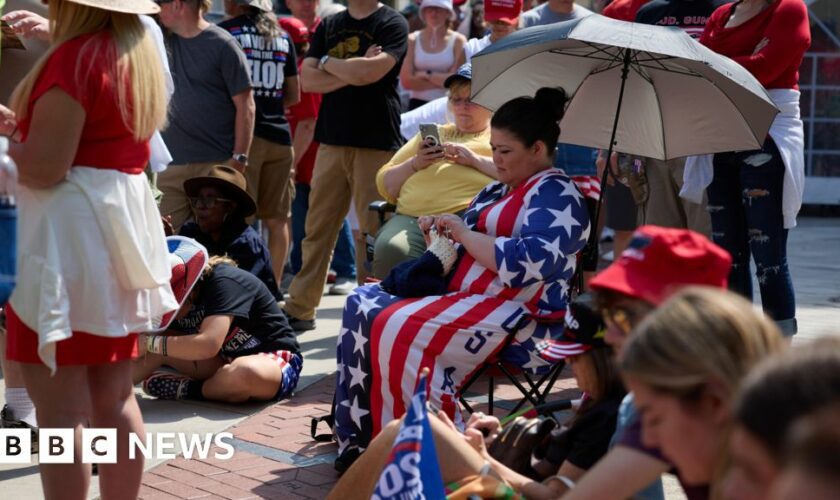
{"points": [[208, 70], [541, 15]]}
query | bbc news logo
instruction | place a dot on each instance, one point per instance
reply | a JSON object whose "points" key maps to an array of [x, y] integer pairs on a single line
{"points": [[56, 446]]}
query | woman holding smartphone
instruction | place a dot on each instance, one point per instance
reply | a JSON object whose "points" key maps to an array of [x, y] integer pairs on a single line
{"points": [[452, 161]]}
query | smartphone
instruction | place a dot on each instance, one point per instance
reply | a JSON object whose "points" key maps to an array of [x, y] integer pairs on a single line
{"points": [[429, 134]]}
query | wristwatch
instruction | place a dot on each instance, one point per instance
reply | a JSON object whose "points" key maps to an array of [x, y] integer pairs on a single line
{"points": [[241, 158], [323, 61]]}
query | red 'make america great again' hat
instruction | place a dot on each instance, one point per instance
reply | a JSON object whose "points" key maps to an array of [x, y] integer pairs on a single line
{"points": [[659, 261]]}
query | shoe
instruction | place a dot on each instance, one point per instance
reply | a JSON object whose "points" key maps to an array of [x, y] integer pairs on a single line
{"points": [[331, 276], [300, 325], [166, 385], [346, 459], [343, 286], [8, 421]]}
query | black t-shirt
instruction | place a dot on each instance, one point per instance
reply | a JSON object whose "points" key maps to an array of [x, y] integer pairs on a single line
{"points": [[367, 116], [258, 323], [271, 61], [690, 15], [588, 438]]}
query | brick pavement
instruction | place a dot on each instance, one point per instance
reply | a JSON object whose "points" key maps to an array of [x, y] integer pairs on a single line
{"points": [[276, 458]]}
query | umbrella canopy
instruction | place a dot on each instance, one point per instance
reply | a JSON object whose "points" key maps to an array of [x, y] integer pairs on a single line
{"points": [[678, 98]]}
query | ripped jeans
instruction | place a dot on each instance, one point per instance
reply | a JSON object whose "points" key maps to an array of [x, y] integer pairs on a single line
{"points": [[745, 204]]}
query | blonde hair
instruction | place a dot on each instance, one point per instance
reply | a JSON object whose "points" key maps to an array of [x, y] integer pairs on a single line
{"points": [[701, 336], [216, 261], [132, 57]]}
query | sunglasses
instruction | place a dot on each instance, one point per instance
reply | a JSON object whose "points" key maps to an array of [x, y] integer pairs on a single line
{"points": [[161, 2], [207, 202], [622, 318]]}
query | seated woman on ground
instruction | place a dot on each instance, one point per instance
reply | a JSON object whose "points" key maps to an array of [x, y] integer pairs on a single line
{"points": [[229, 342], [220, 205], [571, 449], [776, 395], [517, 244], [684, 365], [427, 179]]}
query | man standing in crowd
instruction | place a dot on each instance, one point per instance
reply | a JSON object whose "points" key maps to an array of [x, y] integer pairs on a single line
{"points": [[306, 11], [211, 115], [274, 76], [553, 11], [354, 60], [663, 206]]}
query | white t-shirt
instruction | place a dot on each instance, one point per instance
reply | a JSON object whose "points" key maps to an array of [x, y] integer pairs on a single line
{"points": [[435, 111], [160, 156]]}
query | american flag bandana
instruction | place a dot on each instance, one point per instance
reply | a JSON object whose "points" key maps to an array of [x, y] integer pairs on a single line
{"points": [[386, 340]]}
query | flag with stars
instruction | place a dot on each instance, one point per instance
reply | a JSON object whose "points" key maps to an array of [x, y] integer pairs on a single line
{"points": [[386, 340], [412, 471]]}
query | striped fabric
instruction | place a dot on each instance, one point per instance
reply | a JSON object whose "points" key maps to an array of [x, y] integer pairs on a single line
{"points": [[385, 340], [589, 185]]}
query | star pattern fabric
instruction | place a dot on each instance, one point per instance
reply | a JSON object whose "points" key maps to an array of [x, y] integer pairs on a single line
{"points": [[385, 340]]}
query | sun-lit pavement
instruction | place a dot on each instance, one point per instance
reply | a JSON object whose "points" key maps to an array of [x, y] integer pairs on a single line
{"points": [[275, 457]]}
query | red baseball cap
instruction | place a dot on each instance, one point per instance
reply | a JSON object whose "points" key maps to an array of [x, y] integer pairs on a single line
{"points": [[659, 261], [298, 31], [506, 11]]}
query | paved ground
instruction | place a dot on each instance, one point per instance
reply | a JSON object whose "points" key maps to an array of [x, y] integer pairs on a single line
{"points": [[275, 458]]}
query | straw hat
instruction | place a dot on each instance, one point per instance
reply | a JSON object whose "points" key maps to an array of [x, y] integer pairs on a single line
{"points": [[124, 6]]}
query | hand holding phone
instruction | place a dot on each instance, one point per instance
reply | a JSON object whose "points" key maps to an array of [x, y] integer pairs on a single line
{"points": [[429, 134], [430, 149]]}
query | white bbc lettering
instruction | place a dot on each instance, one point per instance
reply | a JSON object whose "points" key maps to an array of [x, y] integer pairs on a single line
{"points": [[15, 446], [99, 446], [220, 441], [188, 447], [146, 446], [56, 446], [165, 441]]}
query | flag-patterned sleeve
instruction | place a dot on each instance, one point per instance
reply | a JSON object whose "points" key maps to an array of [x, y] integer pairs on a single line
{"points": [[554, 228]]}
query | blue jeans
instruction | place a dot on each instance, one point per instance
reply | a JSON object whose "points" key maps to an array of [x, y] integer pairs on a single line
{"points": [[745, 204], [344, 255]]}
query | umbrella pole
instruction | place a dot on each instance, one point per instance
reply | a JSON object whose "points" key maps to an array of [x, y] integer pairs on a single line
{"points": [[591, 245]]}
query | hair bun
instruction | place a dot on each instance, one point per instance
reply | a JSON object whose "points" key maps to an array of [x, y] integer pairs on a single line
{"points": [[552, 99]]}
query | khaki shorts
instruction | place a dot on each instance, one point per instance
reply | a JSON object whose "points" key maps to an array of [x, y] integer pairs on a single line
{"points": [[270, 178]]}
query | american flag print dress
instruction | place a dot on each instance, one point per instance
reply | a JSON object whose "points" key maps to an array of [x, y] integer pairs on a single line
{"points": [[385, 340]]}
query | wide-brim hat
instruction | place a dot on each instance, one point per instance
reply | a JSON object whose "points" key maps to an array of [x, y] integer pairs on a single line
{"points": [[187, 259], [227, 179], [123, 6]]}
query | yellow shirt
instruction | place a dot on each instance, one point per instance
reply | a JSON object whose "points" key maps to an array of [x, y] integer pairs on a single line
{"points": [[442, 187]]}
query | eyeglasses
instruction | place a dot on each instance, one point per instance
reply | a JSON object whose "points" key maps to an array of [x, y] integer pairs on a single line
{"points": [[207, 202], [161, 2], [457, 101]]}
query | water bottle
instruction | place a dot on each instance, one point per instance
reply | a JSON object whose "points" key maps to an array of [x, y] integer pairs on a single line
{"points": [[8, 221]]}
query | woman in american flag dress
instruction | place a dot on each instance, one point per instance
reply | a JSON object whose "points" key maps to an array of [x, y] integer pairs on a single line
{"points": [[518, 241]]}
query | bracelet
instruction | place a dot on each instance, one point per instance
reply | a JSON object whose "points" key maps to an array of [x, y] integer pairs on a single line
{"points": [[156, 344], [413, 161], [565, 480]]}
